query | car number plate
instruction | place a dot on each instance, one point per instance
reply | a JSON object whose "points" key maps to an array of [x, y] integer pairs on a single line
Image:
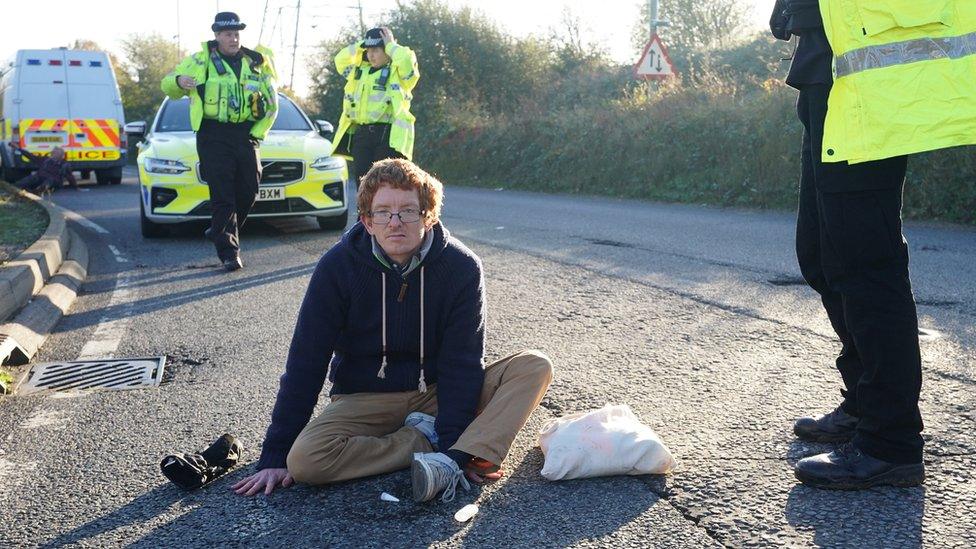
{"points": [[271, 193]]}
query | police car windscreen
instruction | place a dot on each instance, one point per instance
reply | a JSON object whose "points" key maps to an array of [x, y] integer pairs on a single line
{"points": [[176, 117]]}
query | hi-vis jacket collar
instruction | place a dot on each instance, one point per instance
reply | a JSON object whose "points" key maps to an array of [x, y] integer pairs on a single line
{"points": [[256, 59]]}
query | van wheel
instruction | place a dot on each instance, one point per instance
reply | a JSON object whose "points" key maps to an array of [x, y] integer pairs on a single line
{"points": [[150, 229], [335, 223], [86, 174]]}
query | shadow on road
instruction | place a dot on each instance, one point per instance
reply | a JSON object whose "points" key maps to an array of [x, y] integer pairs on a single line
{"points": [[140, 510], [880, 517], [528, 510], [226, 284]]}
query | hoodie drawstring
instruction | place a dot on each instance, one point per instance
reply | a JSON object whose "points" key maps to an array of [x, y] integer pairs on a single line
{"points": [[422, 386], [382, 373]]}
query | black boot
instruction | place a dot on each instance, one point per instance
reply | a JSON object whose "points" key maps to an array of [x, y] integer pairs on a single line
{"points": [[848, 468], [837, 426], [190, 471], [233, 264]]}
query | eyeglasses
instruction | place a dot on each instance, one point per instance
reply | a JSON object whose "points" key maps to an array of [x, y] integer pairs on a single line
{"points": [[383, 217]]}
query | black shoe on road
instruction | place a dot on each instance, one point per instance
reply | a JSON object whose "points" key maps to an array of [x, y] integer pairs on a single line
{"points": [[191, 471], [233, 264], [837, 426], [848, 468], [208, 234]]}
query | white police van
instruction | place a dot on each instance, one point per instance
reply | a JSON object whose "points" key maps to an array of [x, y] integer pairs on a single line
{"points": [[62, 98]]}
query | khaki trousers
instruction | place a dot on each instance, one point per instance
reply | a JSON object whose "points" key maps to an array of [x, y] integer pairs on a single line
{"points": [[362, 434]]}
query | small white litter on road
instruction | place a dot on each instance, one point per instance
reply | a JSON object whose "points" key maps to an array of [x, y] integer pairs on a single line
{"points": [[387, 497], [466, 512]]}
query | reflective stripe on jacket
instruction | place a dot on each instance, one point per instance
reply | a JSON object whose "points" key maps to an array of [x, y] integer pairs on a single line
{"points": [[904, 77], [227, 98], [366, 101]]}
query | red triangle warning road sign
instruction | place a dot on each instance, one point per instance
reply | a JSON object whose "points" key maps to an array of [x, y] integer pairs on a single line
{"points": [[654, 62]]}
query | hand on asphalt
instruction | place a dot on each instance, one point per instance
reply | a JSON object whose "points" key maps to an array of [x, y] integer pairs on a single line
{"points": [[186, 82], [267, 479]]}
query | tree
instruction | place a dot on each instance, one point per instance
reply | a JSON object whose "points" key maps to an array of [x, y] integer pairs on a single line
{"points": [[469, 69], [147, 60]]}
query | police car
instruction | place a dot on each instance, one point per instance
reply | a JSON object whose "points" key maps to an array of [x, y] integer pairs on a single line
{"points": [[299, 176], [62, 98]]}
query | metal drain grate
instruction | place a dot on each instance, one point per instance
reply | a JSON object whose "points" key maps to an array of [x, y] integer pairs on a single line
{"points": [[94, 374]]}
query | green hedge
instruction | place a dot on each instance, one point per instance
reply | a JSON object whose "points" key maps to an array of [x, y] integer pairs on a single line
{"points": [[701, 144]]}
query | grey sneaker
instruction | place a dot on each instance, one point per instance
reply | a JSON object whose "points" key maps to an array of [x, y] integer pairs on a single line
{"points": [[423, 423], [433, 473]]}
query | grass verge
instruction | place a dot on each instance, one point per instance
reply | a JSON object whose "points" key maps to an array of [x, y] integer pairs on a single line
{"points": [[22, 222]]}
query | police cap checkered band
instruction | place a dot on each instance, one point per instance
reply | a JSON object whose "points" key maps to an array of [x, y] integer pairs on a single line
{"points": [[373, 39], [227, 20]]}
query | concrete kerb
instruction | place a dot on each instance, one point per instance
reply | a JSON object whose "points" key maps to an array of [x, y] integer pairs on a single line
{"points": [[41, 283]]}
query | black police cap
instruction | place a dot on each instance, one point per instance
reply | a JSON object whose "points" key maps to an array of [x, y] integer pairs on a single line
{"points": [[227, 20], [373, 39]]}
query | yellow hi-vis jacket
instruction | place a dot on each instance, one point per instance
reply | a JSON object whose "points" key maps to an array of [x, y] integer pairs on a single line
{"points": [[381, 96], [904, 77], [227, 98]]}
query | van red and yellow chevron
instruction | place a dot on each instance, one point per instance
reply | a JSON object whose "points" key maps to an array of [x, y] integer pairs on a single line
{"points": [[82, 132], [88, 139]]}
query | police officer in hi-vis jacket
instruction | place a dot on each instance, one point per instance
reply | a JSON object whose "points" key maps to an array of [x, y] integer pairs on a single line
{"points": [[376, 120], [232, 106], [877, 81]]}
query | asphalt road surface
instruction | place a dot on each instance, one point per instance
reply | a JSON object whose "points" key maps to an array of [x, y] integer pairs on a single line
{"points": [[695, 317]]}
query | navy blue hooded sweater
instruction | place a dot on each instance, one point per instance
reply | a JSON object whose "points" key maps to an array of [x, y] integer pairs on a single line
{"points": [[341, 319]]}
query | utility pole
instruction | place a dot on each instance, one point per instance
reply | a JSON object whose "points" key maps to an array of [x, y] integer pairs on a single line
{"points": [[274, 27], [294, 47], [264, 17], [655, 22], [362, 25], [178, 48]]}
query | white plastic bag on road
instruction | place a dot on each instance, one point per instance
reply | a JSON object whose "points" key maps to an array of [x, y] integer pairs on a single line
{"points": [[604, 442]]}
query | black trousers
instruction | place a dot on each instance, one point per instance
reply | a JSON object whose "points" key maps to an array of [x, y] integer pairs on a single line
{"points": [[231, 166], [34, 182], [851, 251], [370, 143]]}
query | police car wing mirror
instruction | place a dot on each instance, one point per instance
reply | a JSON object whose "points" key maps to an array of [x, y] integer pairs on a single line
{"points": [[325, 128], [135, 128]]}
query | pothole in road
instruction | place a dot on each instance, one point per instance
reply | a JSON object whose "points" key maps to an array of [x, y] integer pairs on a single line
{"points": [[614, 243], [182, 364], [939, 303], [787, 281]]}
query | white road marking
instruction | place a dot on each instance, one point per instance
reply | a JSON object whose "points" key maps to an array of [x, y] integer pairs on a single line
{"points": [[45, 418], [85, 222], [107, 336], [118, 255]]}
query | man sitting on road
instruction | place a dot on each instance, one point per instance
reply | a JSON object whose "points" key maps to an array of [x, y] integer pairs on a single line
{"points": [[51, 171], [398, 306]]}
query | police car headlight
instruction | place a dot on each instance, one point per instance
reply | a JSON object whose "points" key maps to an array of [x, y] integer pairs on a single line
{"points": [[325, 163], [159, 165]]}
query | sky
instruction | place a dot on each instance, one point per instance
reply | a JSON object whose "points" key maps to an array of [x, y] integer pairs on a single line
{"points": [[59, 22]]}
